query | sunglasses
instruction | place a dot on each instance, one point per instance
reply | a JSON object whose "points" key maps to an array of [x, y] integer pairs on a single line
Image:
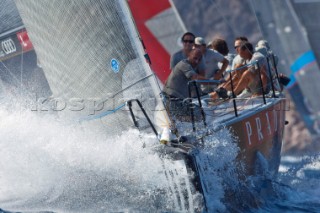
{"points": [[188, 41], [236, 47]]}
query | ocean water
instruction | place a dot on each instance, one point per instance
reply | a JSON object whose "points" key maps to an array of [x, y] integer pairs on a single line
{"points": [[48, 166]]}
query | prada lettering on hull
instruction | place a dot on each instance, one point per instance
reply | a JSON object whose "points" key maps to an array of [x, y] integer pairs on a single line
{"points": [[264, 127]]}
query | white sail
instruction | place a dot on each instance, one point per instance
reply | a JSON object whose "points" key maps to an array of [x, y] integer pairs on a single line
{"points": [[92, 60]]}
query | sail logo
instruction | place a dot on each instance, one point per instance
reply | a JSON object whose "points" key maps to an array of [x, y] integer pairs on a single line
{"points": [[115, 65], [8, 46]]}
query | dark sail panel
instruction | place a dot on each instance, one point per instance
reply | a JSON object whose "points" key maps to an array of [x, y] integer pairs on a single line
{"points": [[284, 30]]}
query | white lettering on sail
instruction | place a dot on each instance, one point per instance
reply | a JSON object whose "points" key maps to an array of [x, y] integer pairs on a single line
{"points": [[258, 122], [249, 131], [268, 122], [8, 46]]}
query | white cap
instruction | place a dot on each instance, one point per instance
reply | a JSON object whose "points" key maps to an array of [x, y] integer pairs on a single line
{"points": [[199, 41], [263, 43]]}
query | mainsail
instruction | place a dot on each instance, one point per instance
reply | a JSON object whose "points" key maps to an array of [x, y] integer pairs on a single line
{"points": [[93, 60], [296, 48]]}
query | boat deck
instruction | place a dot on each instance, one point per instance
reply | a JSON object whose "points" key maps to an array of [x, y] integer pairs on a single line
{"points": [[219, 114], [225, 111]]}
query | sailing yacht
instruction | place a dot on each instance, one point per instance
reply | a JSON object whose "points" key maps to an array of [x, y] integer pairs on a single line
{"points": [[95, 65]]}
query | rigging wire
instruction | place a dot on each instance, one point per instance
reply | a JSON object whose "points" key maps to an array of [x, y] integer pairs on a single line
{"points": [[251, 2], [21, 71], [103, 114], [16, 80], [233, 29], [217, 6]]}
